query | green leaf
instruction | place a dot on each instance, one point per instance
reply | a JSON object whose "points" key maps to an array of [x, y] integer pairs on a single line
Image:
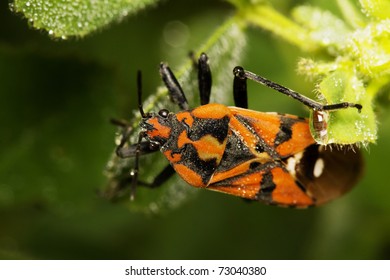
{"points": [[347, 126], [224, 48], [351, 13], [376, 8], [263, 15], [369, 47], [323, 27], [65, 18]]}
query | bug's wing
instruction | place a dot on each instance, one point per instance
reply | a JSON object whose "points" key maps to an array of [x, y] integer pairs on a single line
{"points": [[315, 176], [279, 135], [252, 166], [328, 172], [269, 183]]}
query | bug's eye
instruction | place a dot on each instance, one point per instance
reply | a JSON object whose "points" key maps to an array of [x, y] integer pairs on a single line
{"points": [[154, 146], [163, 113]]}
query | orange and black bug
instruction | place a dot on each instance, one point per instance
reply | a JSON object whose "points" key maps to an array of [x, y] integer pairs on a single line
{"points": [[267, 157]]}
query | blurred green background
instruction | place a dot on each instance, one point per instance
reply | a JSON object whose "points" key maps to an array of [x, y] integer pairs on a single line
{"points": [[56, 98]]}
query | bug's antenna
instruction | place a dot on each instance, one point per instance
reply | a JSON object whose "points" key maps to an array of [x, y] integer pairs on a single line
{"points": [[139, 92], [240, 73], [134, 172]]}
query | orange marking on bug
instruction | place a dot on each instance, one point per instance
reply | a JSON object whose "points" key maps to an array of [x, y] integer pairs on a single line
{"points": [[300, 140], [208, 147], [159, 130], [239, 169], [185, 117], [249, 179], [249, 139], [266, 125], [182, 139], [242, 131], [172, 157], [249, 191], [211, 111], [287, 191], [188, 175]]}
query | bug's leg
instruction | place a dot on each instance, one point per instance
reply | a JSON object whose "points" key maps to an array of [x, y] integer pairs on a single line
{"points": [[201, 65], [131, 151], [136, 150], [204, 79], [131, 178], [134, 172], [175, 91], [126, 132], [120, 186], [240, 73], [240, 93], [125, 152], [161, 178], [120, 150]]}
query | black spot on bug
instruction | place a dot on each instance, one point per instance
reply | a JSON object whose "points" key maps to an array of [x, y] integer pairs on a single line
{"points": [[261, 145], [236, 152], [254, 165], [267, 183], [228, 145], [267, 186], [190, 158], [285, 130], [259, 148], [217, 128], [308, 160]]}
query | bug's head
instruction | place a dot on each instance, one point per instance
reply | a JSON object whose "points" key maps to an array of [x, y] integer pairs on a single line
{"points": [[156, 127]]}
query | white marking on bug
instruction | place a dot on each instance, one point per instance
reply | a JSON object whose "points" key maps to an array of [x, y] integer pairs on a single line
{"points": [[318, 167], [292, 162]]}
